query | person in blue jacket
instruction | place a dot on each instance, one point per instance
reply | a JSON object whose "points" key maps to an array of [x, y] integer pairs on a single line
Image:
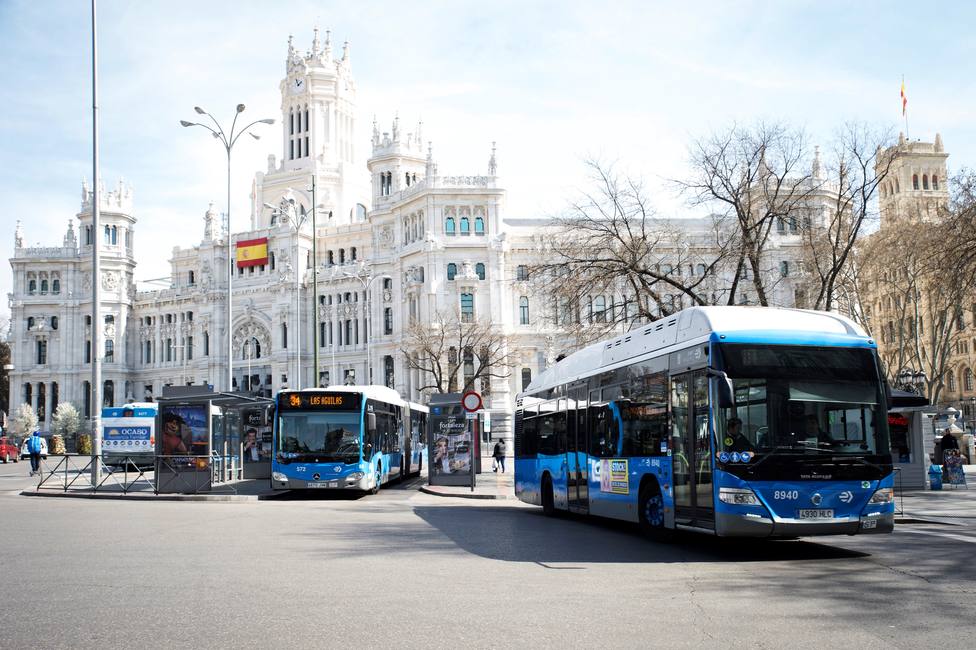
{"points": [[34, 449]]}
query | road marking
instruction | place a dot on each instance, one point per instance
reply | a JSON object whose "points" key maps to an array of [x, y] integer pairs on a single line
{"points": [[938, 533]]}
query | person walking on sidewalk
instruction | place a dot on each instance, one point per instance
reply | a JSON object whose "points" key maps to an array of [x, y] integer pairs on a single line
{"points": [[499, 456], [34, 449]]}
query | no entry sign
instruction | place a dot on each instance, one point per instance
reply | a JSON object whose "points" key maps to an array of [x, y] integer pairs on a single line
{"points": [[471, 401]]}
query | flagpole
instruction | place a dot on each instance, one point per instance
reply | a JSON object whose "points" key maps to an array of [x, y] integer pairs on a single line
{"points": [[904, 107]]}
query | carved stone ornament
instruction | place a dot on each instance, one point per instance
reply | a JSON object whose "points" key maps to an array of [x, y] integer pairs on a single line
{"points": [[387, 295], [109, 330], [250, 330], [110, 280], [86, 284]]}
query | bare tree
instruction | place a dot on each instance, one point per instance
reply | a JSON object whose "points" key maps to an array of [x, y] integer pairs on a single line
{"points": [[754, 176], [611, 245], [847, 185], [440, 347]]}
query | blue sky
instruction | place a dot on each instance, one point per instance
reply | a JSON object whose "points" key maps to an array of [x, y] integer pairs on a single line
{"points": [[551, 82]]}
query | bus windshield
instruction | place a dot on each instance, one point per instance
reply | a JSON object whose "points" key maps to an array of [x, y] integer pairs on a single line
{"points": [[810, 400], [319, 437]]}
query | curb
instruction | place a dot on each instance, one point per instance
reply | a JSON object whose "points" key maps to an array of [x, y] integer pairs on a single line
{"points": [[216, 498], [426, 489]]}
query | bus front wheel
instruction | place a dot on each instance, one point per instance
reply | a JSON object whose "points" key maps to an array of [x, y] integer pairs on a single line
{"points": [[548, 501], [651, 507], [377, 477]]}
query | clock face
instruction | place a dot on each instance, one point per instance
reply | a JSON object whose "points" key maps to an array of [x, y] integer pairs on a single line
{"points": [[297, 85]]}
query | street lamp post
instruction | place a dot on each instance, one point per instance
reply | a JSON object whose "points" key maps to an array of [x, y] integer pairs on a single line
{"points": [[369, 316], [228, 139], [296, 223]]}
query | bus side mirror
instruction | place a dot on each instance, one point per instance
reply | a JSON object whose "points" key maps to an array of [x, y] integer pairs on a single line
{"points": [[371, 422], [723, 386]]}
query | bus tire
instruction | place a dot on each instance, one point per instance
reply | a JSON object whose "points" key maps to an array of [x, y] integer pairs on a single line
{"points": [[378, 476], [651, 513], [548, 500]]}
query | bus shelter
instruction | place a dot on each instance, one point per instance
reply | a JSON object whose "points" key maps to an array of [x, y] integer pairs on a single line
{"points": [[206, 437]]}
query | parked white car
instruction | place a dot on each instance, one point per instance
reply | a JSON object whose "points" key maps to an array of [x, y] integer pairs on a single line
{"points": [[24, 454]]}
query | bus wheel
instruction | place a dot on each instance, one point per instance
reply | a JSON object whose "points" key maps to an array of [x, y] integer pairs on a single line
{"points": [[377, 477], [652, 513], [548, 502]]}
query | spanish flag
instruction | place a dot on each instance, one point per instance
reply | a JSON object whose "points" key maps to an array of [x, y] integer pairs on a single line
{"points": [[252, 252], [904, 97]]}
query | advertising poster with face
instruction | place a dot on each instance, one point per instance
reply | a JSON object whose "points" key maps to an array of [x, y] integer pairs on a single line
{"points": [[451, 443], [185, 432]]}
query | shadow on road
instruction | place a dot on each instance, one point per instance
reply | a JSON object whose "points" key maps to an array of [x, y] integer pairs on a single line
{"points": [[397, 486], [522, 535]]}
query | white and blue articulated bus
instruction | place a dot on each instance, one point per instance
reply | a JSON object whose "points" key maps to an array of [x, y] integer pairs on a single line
{"points": [[344, 438], [735, 421]]}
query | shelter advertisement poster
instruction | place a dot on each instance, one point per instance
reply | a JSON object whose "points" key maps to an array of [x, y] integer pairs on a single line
{"points": [[452, 446], [185, 433], [613, 476], [128, 431]]}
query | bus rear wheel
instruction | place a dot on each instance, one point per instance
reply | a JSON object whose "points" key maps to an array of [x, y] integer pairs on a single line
{"points": [[651, 511], [548, 501]]}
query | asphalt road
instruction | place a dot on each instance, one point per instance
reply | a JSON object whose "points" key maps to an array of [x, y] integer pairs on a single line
{"points": [[405, 569]]}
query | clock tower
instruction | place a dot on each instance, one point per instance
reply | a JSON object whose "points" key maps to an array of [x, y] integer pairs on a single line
{"points": [[318, 127]]}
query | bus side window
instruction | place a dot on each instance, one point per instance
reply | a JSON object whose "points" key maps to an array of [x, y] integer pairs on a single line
{"points": [[530, 437], [600, 431]]}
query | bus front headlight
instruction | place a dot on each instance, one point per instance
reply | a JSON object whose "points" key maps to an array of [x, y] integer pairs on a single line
{"points": [[278, 476], [884, 495], [738, 497], [355, 476]]}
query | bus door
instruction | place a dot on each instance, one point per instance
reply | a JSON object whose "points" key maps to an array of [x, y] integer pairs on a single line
{"points": [[691, 451], [577, 479]]}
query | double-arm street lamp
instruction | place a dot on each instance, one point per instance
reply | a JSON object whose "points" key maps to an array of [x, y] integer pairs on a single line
{"points": [[296, 221], [912, 380], [367, 282], [228, 139]]}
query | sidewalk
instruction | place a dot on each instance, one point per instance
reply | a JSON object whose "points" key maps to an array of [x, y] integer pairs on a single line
{"points": [[488, 485], [245, 490], [951, 504]]}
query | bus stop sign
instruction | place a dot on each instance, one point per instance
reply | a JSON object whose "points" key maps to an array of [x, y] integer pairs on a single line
{"points": [[471, 401]]}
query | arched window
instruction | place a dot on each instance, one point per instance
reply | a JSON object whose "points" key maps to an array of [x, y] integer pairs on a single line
{"points": [[780, 225], [465, 226], [55, 286], [109, 350], [271, 259], [284, 335], [32, 286], [914, 181], [451, 270], [352, 252], [524, 310], [30, 322], [342, 256], [43, 286], [952, 380], [479, 269], [521, 272], [420, 274], [54, 322], [331, 258], [388, 371], [108, 397], [479, 226], [449, 226], [252, 348], [925, 181], [784, 268], [935, 182], [968, 379]]}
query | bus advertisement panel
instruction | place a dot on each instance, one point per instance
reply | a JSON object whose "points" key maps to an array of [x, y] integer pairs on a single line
{"points": [[128, 430]]}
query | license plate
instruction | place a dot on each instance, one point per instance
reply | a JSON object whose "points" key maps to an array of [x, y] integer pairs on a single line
{"points": [[811, 513], [316, 485], [334, 484], [868, 524]]}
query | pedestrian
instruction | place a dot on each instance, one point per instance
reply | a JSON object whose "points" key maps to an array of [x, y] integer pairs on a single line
{"points": [[948, 442], [34, 449], [498, 456]]}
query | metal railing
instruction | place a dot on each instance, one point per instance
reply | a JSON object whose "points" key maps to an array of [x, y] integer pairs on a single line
{"points": [[142, 473]]}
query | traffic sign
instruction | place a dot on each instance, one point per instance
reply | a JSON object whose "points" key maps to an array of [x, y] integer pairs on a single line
{"points": [[471, 401]]}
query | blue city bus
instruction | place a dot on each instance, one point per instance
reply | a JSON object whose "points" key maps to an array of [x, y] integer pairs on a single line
{"points": [[735, 421], [343, 438]]}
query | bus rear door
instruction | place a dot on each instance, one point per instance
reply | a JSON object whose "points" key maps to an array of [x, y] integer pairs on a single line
{"points": [[577, 479]]}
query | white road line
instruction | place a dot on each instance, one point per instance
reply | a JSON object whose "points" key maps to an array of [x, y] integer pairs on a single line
{"points": [[938, 533]]}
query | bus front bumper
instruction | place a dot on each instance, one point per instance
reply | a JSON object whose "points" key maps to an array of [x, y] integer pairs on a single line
{"points": [[738, 525], [348, 482]]}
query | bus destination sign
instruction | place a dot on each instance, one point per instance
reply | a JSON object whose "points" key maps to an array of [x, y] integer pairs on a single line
{"points": [[319, 401]]}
